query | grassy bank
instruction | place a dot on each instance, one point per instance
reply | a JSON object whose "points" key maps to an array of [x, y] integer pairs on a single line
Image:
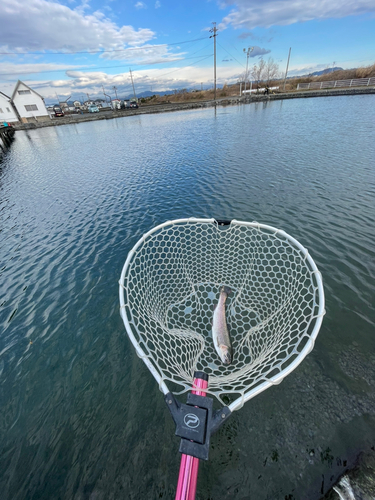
{"points": [[344, 74], [183, 96]]}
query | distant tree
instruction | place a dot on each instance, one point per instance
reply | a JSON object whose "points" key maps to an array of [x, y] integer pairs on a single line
{"points": [[244, 76], [265, 70], [258, 71], [271, 70]]}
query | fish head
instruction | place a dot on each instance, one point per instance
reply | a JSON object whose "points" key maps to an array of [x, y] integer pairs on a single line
{"points": [[225, 289], [225, 354]]}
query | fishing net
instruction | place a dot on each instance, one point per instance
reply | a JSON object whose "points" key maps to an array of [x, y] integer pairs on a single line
{"points": [[170, 286]]}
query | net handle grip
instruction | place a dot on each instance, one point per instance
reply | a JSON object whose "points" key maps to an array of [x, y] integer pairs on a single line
{"points": [[188, 475]]}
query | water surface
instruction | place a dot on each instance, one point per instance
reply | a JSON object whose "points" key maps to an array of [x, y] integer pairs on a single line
{"points": [[81, 417]]}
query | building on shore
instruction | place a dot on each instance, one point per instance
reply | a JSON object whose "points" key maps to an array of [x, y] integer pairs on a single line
{"points": [[29, 104], [8, 113], [116, 104]]}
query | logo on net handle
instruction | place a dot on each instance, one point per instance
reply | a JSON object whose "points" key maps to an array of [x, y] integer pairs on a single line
{"points": [[191, 420]]}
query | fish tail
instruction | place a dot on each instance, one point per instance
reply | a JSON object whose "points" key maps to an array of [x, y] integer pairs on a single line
{"points": [[225, 289]]}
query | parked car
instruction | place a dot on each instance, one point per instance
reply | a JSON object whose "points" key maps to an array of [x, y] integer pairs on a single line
{"points": [[58, 111], [133, 105], [93, 109]]}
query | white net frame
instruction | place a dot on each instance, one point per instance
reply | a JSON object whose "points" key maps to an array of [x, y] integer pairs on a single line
{"points": [[170, 284]]}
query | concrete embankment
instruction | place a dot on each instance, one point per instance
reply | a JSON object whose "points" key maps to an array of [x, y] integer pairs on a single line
{"points": [[358, 483], [6, 136], [314, 93], [168, 107]]}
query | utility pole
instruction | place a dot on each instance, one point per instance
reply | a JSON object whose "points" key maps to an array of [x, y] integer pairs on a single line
{"points": [[88, 97], [131, 76], [115, 89], [287, 66], [106, 95], [249, 50], [214, 31]]}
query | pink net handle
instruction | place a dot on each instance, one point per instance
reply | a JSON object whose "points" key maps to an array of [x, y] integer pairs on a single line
{"points": [[188, 475]]}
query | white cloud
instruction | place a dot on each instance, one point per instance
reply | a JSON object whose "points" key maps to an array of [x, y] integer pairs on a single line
{"points": [[85, 4], [140, 5], [265, 13], [258, 51], [82, 82], [157, 4], [263, 39], [303, 69], [12, 71], [40, 25], [247, 34], [147, 54]]}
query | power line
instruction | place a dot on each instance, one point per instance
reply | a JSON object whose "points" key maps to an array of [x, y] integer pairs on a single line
{"points": [[101, 51], [184, 59], [178, 69], [173, 71], [165, 74], [230, 54], [235, 48], [95, 68]]}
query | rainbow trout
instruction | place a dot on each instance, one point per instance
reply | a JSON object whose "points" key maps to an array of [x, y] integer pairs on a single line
{"points": [[220, 333]]}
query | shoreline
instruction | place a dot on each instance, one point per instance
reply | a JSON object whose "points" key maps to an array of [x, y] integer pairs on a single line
{"points": [[169, 107], [357, 483]]}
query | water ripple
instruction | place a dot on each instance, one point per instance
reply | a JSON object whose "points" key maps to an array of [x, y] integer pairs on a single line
{"points": [[81, 417]]}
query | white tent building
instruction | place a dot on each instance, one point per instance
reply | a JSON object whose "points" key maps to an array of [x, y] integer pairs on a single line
{"points": [[7, 112], [29, 104]]}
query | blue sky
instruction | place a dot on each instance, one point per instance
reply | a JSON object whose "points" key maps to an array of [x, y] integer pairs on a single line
{"points": [[74, 47]]}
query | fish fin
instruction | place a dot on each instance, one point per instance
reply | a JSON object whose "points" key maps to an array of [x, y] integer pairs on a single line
{"points": [[216, 343], [213, 307]]}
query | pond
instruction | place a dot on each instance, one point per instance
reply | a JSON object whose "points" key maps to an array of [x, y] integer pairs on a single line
{"points": [[81, 417]]}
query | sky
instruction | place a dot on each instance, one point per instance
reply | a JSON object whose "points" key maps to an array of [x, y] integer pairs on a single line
{"points": [[80, 47]]}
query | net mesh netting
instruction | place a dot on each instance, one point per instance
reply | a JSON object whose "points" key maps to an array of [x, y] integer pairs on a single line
{"points": [[171, 287]]}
